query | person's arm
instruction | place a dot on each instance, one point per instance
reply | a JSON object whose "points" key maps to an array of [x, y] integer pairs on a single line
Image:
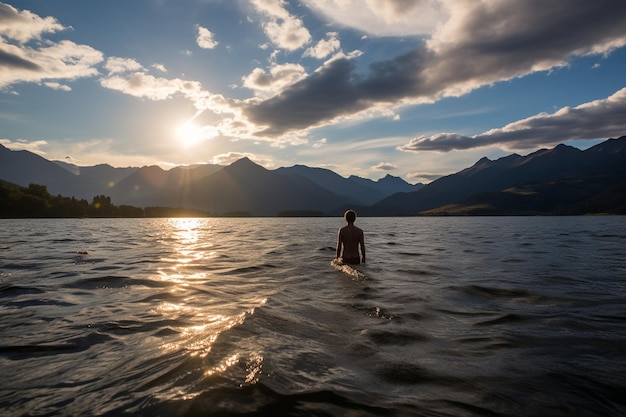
{"points": [[362, 243], [338, 254]]}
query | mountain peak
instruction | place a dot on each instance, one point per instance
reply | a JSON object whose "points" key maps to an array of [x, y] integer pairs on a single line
{"points": [[391, 179], [243, 162], [245, 166]]}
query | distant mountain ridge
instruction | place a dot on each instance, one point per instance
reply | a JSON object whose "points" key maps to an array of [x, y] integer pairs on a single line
{"points": [[242, 186], [359, 190], [561, 180], [598, 168]]}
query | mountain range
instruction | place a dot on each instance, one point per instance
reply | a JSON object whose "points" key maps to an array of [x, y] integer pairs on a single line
{"points": [[561, 180]]}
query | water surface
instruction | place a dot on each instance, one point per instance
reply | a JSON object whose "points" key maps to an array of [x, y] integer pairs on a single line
{"points": [[504, 316]]}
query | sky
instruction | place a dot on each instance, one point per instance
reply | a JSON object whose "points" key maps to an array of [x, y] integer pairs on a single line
{"points": [[413, 88]]}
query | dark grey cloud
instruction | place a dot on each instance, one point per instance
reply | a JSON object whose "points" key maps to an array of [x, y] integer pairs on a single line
{"points": [[14, 62], [310, 101], [485, 43], [337, 90], [593, 120]]}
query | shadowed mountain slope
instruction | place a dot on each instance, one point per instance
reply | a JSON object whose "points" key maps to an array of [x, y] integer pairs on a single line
{"points": [[603, 165]]}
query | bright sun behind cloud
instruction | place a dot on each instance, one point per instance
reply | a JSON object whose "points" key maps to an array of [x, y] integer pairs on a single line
{"points": [[190, 134]]}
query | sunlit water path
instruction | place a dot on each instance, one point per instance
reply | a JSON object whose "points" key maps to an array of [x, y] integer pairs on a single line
{"points": [[450, 317]]}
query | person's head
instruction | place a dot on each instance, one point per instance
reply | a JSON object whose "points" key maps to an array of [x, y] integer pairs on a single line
{"points": [[350, 216]]}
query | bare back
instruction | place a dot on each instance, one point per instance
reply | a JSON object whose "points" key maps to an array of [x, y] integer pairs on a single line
{"points": [[349, 239]]}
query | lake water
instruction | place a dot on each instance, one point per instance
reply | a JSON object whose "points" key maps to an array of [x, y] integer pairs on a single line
{"points": [[477, 316]]}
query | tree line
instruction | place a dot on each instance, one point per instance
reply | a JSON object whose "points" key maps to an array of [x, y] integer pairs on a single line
{"points": [[35, 201]]}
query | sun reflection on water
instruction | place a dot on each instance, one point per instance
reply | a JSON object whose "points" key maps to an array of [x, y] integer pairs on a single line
{"points": [[203, 304]]}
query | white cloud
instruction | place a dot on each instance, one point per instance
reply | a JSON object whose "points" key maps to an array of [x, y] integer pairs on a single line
{"points": [[283, 29], [159, 67], [205, 38], [150, 87], [325, 47], [320, 143], [24, 26], [423, 177], [385, 17], [279, 77], [47, 60], [230, 157], [384, 166], [116, 65], [61, 61], [24, 145], [57, 86]]}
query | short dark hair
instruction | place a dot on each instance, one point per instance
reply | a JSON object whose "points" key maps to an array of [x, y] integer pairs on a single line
{"points": [[350, 216]]}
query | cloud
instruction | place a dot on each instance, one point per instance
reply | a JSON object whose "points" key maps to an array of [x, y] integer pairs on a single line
{"points": [[423, 177], [57, 86], [159, 67], [230, 157], [384, 17], [24, 145], [593, 120], [61, 61], [279, 77], [332, 92], [325, 47], [147, 86], [24, 26], [384, 166], [320, 143], [21, 62], [478, 43], [283, 29], [117, 65], [205, 38]]}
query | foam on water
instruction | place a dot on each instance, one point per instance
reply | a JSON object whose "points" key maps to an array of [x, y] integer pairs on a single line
{"points": [[348, 270]]}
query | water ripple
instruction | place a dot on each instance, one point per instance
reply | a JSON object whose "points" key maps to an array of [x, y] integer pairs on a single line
{"points": [[229, 317]]}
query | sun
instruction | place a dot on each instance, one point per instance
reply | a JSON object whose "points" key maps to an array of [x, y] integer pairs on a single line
{"points": [[190, 134]]}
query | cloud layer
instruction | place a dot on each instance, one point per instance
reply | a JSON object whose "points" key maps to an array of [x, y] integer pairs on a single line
{"points": [[457, 47], [23, 61], [594, 120], [480, 43]]}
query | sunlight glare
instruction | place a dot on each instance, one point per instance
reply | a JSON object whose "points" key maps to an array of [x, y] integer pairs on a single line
{"points": [[190, 134]]}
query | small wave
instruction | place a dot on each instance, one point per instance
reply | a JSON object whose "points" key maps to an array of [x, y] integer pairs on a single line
{"points": [[246, 269], [111, 281], [402, 338], [261, 400], [123, 327], [106, 268], [348, 270], [419, 272], [411, 374], [505, 319], [25, 266], [410, 254], [39, 302], [10, 291], [493, 292], [72, 345]]}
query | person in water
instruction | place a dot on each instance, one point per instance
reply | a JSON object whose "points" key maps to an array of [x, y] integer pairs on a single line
{"points": [[349, 239]]}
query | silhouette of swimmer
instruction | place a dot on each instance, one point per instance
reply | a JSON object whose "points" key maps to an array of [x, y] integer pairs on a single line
{"points": [[349, 239]]}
